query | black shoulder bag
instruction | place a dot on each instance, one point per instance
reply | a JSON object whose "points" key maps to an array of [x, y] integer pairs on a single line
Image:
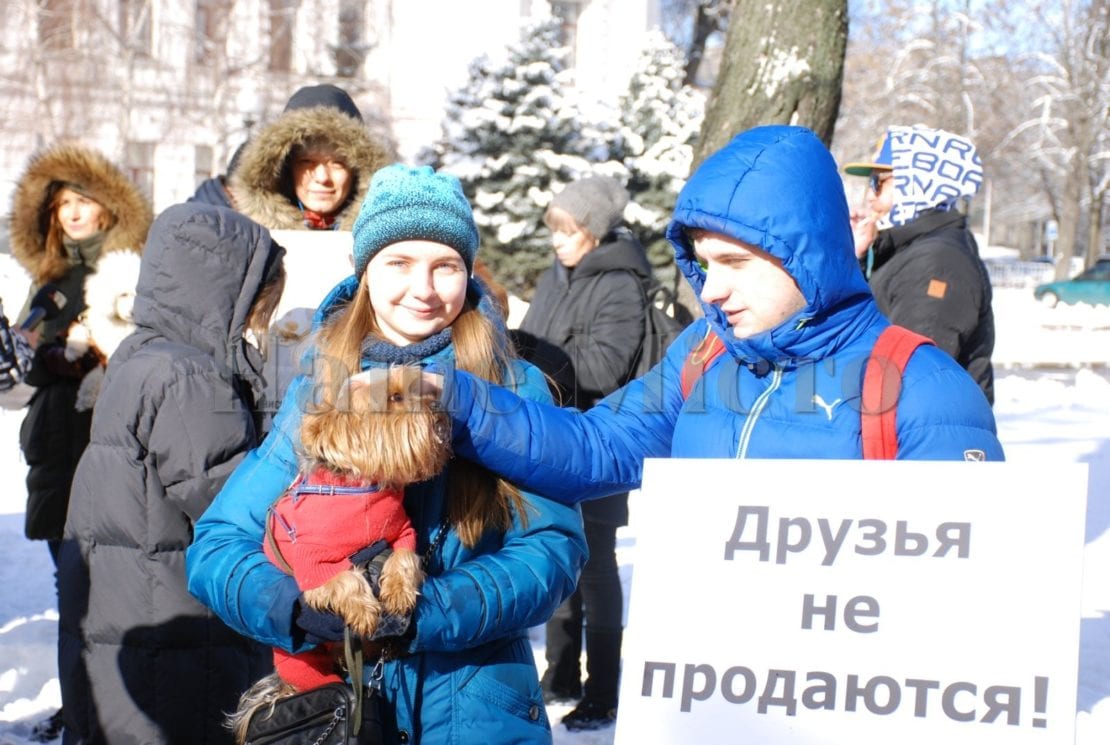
{"points": [[334, 714]]}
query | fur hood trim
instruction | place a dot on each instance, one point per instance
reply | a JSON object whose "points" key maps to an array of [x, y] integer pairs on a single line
{"points": [[257, 181], [100, 179]]}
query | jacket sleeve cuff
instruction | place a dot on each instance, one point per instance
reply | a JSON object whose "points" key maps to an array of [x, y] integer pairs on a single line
{"points": [[283, 603]]}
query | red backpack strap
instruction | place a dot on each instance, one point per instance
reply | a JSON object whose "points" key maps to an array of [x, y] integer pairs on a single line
{"points": [[699, 359], [882, 384]]}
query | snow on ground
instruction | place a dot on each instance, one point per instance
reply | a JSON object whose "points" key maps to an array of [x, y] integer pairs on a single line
{"points": [[1053, 405]]}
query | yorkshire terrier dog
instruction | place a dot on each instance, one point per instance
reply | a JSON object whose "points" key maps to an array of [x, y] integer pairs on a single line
{"points": [[356, 458]]}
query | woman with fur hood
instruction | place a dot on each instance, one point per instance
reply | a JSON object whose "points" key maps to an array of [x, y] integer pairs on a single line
{"points": [[73, 211], [310, 168], [140, 661]]}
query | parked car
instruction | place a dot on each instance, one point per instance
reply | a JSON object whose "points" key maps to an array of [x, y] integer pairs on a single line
{"points": [[1092, 286]]}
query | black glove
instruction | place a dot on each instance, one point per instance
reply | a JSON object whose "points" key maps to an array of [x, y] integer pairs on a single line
{"points": [[317, 626], [371, 559], [375, 553]]}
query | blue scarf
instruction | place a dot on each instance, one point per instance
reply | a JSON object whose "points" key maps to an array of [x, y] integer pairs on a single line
{"points": [[378, 350]]}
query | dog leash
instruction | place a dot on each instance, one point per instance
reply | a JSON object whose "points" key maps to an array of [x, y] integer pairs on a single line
{"points": [[352, 654]]}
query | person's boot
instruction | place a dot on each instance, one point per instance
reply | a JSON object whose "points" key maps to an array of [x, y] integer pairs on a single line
{"points": [[556, 691], [598, 707], [48, 729], [590, 715], [562, 680]]}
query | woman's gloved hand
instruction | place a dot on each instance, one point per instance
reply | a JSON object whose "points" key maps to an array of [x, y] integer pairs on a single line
{"points": [[371, 559], [316, 627]]}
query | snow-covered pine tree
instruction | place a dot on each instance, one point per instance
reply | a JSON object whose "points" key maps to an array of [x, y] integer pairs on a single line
{"points": [[510, 135], [660, 120]]}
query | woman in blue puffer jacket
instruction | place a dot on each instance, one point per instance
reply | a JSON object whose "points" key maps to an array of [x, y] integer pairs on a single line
{"points": [[761, 232], [498, 561]]}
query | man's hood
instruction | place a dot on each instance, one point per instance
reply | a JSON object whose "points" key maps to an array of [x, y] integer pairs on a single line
{"points": [[777, 187]]}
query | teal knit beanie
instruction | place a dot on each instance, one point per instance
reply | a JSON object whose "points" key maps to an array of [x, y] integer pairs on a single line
{"points": [[407, 203]]}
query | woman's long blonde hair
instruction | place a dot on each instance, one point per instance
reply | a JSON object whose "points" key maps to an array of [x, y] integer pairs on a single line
{"points": [[477, 500]]}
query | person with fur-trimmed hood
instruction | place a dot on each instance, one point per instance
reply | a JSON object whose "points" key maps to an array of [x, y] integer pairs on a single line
{"points": [[310, 168], [72, 210]]}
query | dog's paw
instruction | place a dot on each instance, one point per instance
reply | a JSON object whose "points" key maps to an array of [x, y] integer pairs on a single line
{"points": [[401, 579], [363, 617], [350, 597]]}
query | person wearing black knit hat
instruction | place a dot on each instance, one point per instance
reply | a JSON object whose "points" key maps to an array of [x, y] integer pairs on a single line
{"points": [[310, 168]]}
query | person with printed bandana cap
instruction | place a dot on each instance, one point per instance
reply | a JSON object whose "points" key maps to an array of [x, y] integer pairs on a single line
{"points": [[915, 246]]}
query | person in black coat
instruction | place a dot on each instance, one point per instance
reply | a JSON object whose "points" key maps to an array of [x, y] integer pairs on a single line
{"points": [[584, 329], [917, 250], [72, 206], [140, 659]]}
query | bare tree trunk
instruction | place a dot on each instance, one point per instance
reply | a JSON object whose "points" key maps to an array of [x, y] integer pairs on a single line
{"points": [[1070, 198], [782, 64], [1094, 229], [704, 25]]}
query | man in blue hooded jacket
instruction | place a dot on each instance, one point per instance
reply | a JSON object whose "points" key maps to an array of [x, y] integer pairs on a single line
{"points": [[761, 232]]}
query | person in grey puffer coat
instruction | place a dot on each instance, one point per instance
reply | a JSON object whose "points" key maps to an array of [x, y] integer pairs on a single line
{"points": [[140, 660], [584, 329]]}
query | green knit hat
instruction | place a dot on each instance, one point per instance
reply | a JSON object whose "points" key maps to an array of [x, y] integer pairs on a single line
{"points": [[406, 203]]}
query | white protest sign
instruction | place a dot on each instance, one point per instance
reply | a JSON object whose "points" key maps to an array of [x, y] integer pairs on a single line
{"points": [[315, 262], [853, 603]]}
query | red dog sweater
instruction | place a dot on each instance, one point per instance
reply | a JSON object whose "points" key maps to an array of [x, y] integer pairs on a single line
{"points": [[312, 531]]}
